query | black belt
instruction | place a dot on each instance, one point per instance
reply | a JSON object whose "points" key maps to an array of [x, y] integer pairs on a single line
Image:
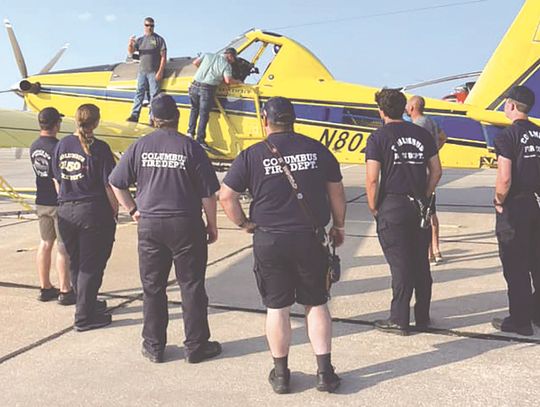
{"points": [[155, 51], [79, 202], [203, 85]]}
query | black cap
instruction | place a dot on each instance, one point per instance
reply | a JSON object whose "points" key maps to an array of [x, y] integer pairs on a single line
{"points": [[521, 94], [164, 107], [49, 115], [231, 51], [279, 110]]}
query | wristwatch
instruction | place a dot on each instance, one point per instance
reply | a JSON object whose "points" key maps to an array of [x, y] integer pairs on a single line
{"points": [[132, 212], [495, 203]]}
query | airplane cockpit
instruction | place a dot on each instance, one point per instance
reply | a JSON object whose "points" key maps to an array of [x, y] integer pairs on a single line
{"points": [[254, 58]]}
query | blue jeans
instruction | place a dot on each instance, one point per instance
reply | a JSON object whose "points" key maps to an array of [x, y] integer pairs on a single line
{"points": [[202, 101], [146, 82]]}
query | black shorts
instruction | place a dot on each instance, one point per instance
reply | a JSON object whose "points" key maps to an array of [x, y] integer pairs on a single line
{"points": [[289, 268]]}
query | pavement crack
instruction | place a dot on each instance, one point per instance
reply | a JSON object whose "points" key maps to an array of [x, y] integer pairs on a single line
{"points": [[59, 333]]}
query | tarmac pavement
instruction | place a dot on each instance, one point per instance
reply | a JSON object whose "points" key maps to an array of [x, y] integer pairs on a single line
{"points": [[462, 362]]}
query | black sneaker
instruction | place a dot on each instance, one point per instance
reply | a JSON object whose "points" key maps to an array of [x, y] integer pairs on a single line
{"points": [[280, 384], [48, 294], [132, 119], [328, 381], [68, 298], [152, 357], [206, 351], [387, 325], [99, 321], [506, 325]]}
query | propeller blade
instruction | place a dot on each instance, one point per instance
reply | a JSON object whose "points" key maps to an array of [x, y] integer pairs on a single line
{"points": [[54, 60], [16, 49]]}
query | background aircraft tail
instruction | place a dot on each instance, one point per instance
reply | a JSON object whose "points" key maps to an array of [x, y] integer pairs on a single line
{"points": [[516, 61]]}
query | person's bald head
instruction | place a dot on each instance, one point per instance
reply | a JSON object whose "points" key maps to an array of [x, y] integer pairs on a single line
{"points": [[415, 106]]}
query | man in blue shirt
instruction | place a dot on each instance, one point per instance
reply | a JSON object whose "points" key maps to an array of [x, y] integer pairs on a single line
{"points": [[291, 263], [402, 168], [152, 59], [517, 204], [175, 183], [213, 69], [41, 154]]}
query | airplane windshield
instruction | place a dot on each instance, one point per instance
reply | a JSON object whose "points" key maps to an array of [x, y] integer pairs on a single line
{"points": [[236, 43]]}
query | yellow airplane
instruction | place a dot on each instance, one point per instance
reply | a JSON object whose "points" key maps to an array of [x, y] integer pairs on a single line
{"points": [[341, 115]]}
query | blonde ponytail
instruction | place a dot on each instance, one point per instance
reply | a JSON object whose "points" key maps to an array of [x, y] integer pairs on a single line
{"points": [[87, 119]]}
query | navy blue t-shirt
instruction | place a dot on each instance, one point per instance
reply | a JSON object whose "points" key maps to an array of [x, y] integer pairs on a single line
{"points": [[41, 155], [82, 177], [415, 147], [520, 143], [172, 173], [274, 206]]}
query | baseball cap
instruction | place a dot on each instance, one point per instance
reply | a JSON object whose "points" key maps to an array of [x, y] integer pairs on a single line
{"points": [[164, 107], [231, 51], [521, 94], [279, 110], [49, 115]]}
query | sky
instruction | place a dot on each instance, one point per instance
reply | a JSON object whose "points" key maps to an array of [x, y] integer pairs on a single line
{"points": [[365, 42]]}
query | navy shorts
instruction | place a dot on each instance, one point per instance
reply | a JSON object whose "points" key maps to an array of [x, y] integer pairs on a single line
{"points": [[289, 268]]}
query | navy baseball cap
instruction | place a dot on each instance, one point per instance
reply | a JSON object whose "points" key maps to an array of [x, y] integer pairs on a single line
{"points": [[521, 94], [49, 115], [279, 110], [164, 107]]}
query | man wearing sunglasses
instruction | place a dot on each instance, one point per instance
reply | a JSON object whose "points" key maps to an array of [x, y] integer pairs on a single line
{"points": [[152, 58]]}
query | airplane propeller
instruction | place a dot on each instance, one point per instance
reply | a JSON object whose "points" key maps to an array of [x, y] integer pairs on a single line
{"points": [[21, 63], [47, 68], [19, 58]]}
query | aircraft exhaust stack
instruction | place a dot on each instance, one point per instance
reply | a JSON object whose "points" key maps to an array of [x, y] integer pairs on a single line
{"points": [[29, 87]]}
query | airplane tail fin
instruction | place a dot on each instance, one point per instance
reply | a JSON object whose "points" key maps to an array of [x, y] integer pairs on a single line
{"points": [[516, 61]]}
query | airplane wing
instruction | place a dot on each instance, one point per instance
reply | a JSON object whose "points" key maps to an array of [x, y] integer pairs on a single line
{"points": [[20, 129]]}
